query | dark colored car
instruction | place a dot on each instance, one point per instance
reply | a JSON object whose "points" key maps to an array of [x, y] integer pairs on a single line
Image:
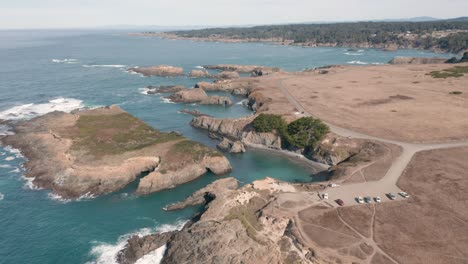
{"points": [[340, 202]]}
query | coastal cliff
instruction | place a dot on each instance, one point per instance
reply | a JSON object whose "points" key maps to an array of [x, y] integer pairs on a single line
{"points": [[160, 70], [199, 96], [98, 151]]}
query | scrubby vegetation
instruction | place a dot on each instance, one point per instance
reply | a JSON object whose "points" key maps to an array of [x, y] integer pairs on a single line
{"points": [[268, 123], [457, 71], [414, 34], [196, 150], [304, 132], [107, 135], [456, 92]]}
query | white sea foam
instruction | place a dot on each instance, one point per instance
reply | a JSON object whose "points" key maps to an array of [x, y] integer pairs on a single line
{"points": [[31, 110], [154, 257], [143, 90], [2, 153], [353, 54], [9, 158], [200, 67], [5, 130], [3, 196], [166, 100], [241, 102], [5, 166], [104, 66], [377, 63], [16, 170], [357, 62], [14, 151], [29, 183], [67, 61], [58, 198], [106, 253]]}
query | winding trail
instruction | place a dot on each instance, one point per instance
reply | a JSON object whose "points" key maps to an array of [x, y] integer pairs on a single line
{"points": [[388, 183]]}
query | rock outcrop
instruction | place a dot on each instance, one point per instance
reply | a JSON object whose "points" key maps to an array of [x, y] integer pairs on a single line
{"points": [[193, 112], [164, 89], [199, 74], [230, 86], [237, 226], [416, 60], [199, 96], [242, 68], [231, 146], [102, 150], [160, 70], [464, 58], [226, 75], [170, 177]]}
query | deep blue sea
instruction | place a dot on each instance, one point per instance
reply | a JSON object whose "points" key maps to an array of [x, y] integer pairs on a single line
{"points": [[42, 71]]}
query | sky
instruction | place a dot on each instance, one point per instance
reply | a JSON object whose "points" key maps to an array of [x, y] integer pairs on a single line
{"points": [[15, 14]]}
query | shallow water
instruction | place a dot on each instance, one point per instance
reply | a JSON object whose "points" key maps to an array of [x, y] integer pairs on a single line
{"points": [[42, 71]]}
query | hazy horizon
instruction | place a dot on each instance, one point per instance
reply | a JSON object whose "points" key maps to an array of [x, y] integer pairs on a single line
{"points": [[30, 14]]}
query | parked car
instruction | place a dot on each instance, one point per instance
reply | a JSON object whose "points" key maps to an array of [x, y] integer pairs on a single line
{"points": [[325, 196], [368, 199], [403, 194], [340, 202], [359, 199], [377, 199], [391, 196]]}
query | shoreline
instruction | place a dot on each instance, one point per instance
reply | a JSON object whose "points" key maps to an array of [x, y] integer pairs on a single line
{"points": [[164, 35]]}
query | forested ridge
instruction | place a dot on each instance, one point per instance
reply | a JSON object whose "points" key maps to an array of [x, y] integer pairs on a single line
{"points": [[446, 35]]}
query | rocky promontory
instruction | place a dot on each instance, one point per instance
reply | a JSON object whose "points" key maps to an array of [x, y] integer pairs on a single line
{"points": [[102, 150], [160, 70], [199, 96], [164, 89], [242, 68], [416, 60]]}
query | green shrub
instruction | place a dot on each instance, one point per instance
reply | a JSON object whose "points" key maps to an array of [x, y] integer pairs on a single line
{"points": [[268, 123], [304, 132]]}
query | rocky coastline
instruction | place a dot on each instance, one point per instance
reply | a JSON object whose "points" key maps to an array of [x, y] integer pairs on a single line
{"points": [[98, 151]]}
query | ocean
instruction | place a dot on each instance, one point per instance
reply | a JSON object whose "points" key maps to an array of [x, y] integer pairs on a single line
{"points": [[48, 70]]}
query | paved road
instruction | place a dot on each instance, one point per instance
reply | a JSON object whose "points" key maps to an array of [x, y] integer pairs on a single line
{"points": [[388, 183]]}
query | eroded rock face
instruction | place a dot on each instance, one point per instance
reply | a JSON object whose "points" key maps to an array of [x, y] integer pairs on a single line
{"points": [[161, 70], [83, 152], [241, 68], [199, 96], [231, 146], [415, 60], [199, 74], [160, 180], [227, 75], [238, 226], [164, 89], [230, 86]]}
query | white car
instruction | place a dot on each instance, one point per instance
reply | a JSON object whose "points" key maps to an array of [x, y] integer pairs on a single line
{"points": [[403, 194], [325, 196], [359, 199], [377, 199]]}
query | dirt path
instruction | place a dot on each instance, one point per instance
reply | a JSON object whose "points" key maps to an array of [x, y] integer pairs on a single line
{"points": [[388, 184]]}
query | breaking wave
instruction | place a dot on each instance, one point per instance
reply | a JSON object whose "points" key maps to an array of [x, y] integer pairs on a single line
{"points": [[357, 62], [353, 54], [27, 111], [104, 66], [67, 61], [166, 100], [143, 90], [58, 198], [106, 253], [3, 196], [200, 67], [153, 257]]}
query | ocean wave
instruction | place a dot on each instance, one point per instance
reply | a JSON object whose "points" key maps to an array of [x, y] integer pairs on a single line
{"points": [[5, 130], [199, 67], [5, 166], [58, 198], [104, 66], [153, 257], [106, 253], [357, 62], [144, 90], [377, 63], [353, 54], [16, 170], [29, 183], [166, 100], [10, 158], [13, 151], [67, 61], [27, 111], [3, 196], [241, 102]]}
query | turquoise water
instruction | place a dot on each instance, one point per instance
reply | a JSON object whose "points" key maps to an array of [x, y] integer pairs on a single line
{"points": [[35, 228]]}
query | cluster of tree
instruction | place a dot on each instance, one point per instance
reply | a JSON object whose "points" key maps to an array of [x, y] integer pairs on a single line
{"points": [[303, 133], [343, 34]]}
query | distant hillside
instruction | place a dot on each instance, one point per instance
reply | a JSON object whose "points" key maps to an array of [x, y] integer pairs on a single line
{"points": [[440, 35]]}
